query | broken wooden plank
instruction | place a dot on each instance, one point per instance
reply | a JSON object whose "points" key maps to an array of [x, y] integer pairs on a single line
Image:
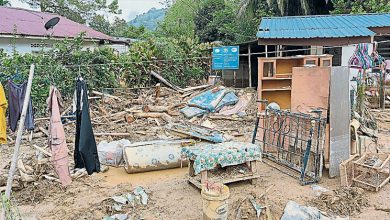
{"points": [[46, 132], [106, 95], [42, 150], [163, 116], [152, 108]]}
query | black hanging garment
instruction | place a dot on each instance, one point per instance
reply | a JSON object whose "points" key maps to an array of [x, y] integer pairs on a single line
{"points": [[15, 105], [85, 152]]}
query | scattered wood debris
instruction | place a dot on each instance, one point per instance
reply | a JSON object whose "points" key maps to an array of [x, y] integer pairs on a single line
{"points": [[345, 201]]}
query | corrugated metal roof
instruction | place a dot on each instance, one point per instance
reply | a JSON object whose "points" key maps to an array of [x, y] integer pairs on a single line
{"points": [[321, 26], [31, 23]]}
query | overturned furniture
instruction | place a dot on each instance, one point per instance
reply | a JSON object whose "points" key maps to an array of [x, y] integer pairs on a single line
{"points": [[224, 163], [154, 155], [292, 142], [372, 170]]}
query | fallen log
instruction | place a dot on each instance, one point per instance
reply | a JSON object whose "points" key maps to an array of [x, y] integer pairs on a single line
{"points": [[106, 95], [172, 86]]}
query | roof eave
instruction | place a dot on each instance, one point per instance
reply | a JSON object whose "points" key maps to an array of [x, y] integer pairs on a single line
{"points": [[335, 41]]}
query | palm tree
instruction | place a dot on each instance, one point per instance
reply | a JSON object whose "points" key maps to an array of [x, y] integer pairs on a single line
{"points": [[5, 3]]}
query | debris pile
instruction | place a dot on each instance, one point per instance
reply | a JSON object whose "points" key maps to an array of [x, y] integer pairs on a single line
{"points": [[116, 205], [346, 201], [254, 206]]}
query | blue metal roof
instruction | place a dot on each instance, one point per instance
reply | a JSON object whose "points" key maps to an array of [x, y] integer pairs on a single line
{"points": [[321, 26]]}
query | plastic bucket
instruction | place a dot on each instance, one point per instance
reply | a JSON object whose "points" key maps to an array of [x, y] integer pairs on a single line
{"points": [[215, 203]]}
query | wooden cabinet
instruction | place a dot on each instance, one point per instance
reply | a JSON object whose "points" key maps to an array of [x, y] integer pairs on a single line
{"points": [[326, 61], [275, 76]]}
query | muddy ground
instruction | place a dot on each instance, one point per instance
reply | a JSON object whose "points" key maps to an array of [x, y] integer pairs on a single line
{"points": [[171, 197]]}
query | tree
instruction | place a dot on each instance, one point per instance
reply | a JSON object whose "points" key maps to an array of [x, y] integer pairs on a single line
{"points": [[81, 11], [100, 23], [205, 26], [179, 20], [118, 28], [287, 7], [360, 6], [5, 3]]}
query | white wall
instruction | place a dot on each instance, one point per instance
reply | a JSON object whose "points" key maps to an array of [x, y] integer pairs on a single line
{"points": [[26, 45], [121, 48]]}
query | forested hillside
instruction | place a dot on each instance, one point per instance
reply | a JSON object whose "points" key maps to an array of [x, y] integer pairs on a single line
{"points": [[149, 19]]}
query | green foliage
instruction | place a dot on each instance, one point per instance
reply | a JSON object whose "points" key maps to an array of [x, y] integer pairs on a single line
{"points": [[57, 67], [228, 21], [81, 11], [360, 6], [5, 3], [179, 60], [149, 20], [179, 20], [119, 28], [205, 26]]}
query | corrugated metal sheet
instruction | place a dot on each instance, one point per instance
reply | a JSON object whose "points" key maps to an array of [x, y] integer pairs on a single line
{"points": [[31, 23], [321, 26]]}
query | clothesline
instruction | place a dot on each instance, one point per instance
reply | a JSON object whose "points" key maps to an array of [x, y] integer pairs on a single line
{"points": [[85, 145]]}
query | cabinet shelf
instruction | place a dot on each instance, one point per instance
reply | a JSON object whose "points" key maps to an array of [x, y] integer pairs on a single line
{"points": [[276, 89], [273, 78]]}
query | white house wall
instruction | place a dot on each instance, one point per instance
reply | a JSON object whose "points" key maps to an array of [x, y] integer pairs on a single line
{"points": [[30, 45]]}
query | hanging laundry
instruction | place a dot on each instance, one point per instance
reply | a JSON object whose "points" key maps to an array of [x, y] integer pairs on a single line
{"points": [[57, 140], [85, 153], [16, 96], [361, 58], [3, 108]]}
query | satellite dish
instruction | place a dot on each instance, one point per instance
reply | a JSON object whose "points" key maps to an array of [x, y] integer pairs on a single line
{"points": [[51, 23]]}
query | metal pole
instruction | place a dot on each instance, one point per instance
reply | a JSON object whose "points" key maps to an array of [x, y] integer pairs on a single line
{"points": [[250, 65], [235, 78], [18, 138]]}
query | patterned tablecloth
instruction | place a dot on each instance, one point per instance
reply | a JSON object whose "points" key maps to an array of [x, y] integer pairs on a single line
{"points": [[208, 157]]}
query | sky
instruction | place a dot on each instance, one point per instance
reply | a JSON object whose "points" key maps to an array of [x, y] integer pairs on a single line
{"points": [[130, 8]]}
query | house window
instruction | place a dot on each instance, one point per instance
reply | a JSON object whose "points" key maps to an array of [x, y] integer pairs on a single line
{"points": [[40, 45]]}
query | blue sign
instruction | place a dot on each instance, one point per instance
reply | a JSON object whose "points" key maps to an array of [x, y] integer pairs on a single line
{"points": [[226, 58]]}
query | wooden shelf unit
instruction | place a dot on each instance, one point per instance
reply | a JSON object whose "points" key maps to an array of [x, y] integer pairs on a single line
{"points": [[275, 76]]}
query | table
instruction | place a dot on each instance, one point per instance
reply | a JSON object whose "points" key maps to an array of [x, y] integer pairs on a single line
{"points": [[205, 159]]}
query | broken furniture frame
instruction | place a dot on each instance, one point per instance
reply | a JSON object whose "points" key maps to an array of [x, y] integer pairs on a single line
{"points": [[293, 140], [206, 177], [365, 170]]}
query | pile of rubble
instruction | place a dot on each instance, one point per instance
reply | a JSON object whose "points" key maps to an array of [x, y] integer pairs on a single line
{"points": [[134, 114], [346, 201]]}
